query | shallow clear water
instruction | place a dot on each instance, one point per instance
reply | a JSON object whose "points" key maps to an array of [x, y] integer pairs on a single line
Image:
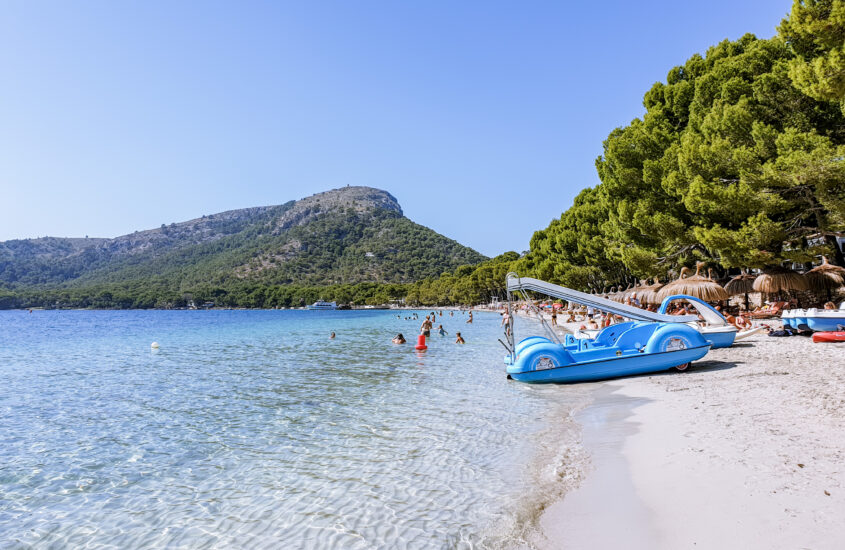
{"points": [[252, 429]]}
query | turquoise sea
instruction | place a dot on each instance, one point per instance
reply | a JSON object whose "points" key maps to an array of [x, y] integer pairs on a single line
{"points": [[252, 429]]}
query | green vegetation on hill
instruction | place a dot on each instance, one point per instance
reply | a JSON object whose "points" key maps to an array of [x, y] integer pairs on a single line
{"points": [[350, 237]]}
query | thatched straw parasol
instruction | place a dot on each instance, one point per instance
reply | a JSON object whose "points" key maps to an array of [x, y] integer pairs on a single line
{"points": [[825, 277], [648, 294], [775, 279], [620, 296], [637, 290], [697, 285], [741, 284]]}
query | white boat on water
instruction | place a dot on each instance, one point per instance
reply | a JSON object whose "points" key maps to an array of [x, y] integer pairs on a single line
{"points": [[320, 304]]}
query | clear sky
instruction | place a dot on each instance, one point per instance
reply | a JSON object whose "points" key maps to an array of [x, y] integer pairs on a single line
{"points": [[484, 118]]}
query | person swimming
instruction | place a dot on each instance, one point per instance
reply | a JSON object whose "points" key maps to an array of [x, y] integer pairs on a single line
{"points": [[398, 339], [332, 336], [441, 330], [459, 339]]}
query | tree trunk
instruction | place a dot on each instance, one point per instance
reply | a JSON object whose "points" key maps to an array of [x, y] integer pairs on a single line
{"points": [[838, 258]]}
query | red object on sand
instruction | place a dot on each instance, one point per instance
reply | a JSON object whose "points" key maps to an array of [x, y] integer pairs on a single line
{"points": [[837, 336], [421, 342]]}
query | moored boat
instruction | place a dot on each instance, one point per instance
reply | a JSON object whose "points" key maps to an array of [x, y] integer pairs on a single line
{"points": [[320, 304], [829, 336], [817, 320], [649, 342], [712, 325]]}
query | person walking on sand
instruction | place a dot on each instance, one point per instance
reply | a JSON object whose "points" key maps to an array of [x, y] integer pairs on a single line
{"points": [[554, 317], [425, 328], [459, 339]]}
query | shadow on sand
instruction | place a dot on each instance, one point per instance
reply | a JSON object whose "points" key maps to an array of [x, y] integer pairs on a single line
{"points": [[708, 366]]}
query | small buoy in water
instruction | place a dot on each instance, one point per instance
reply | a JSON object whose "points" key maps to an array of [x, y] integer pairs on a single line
{"points": [[421, 342], [154, 345]]}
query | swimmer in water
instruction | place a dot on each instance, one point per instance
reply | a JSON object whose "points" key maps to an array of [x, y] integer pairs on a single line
{"points": [[398, 339], [469, 321], [332, 336], [459, 339], [441, 330]]}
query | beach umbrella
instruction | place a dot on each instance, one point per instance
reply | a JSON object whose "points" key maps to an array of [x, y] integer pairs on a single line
{"points": [[825, 277], [620, 296], [741, 284], [648, 294], [636, 289], [637, 292], [775, 279], [696, 285]]}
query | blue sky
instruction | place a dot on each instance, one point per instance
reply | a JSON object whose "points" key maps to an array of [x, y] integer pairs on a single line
{"points": [[483, 118]]}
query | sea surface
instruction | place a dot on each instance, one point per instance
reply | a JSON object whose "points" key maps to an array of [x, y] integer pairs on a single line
{"points": [[252, 429]]}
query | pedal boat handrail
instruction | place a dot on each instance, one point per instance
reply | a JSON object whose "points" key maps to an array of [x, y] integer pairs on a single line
{"points": [[517, 283]]}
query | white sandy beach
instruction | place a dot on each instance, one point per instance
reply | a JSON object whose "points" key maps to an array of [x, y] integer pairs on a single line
{"points": [[746, 450]]}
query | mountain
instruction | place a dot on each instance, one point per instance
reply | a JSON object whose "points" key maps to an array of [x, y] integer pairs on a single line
{"points": [[348, 235]]}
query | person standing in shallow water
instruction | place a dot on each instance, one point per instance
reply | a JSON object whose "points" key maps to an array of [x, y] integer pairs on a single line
{"points": [[469, 321], [459, 339], [425, 328], [506, 322]]}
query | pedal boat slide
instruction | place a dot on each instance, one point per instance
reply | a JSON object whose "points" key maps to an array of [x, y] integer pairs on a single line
{"points": [[649, 342]]}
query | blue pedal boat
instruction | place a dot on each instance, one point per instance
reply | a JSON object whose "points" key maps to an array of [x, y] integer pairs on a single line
{"points": [[817, 320], [712, 324], [649, 342]]}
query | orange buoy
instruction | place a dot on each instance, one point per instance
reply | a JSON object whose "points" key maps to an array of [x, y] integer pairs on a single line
{"points": [[421, 342]]}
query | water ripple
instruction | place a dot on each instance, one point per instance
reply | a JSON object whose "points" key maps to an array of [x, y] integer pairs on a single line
{"points": [[251, 429]]}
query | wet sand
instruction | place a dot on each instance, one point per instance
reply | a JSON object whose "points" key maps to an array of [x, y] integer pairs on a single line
{"points": [[746, 450]]}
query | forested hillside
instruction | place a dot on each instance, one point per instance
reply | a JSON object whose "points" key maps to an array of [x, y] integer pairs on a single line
{"points": [[345, 236]]}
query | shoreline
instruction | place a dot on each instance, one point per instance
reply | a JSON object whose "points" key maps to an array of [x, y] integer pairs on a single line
{"points": [[743, 451]]}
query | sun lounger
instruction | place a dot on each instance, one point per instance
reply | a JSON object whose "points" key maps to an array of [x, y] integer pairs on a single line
{"points": [[768, 313]]}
